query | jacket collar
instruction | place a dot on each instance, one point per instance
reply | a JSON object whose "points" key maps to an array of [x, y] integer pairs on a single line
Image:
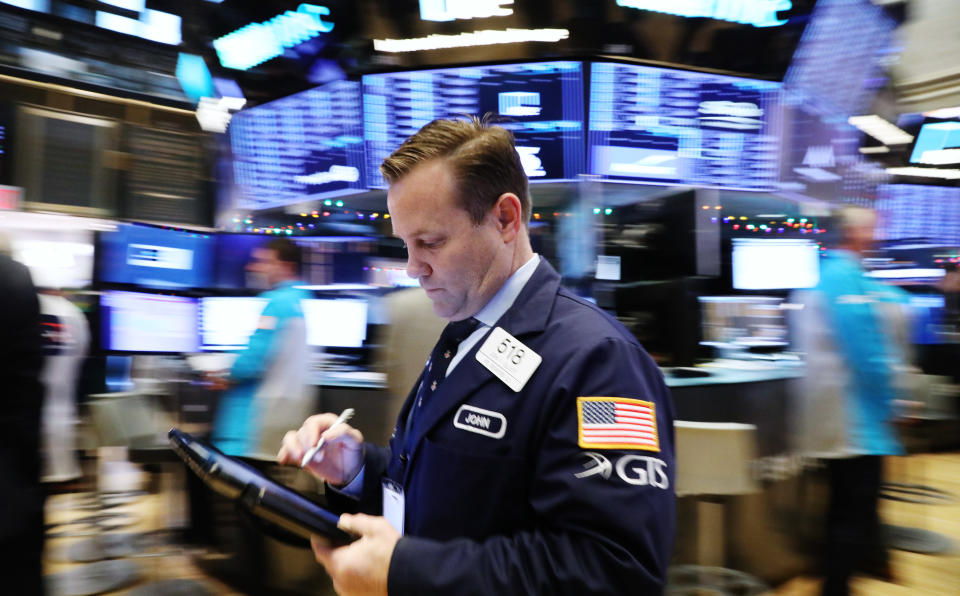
{"points": [[529, 314]]}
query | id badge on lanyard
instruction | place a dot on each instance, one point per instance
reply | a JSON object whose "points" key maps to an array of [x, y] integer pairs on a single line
{"points": [[393, 504]]}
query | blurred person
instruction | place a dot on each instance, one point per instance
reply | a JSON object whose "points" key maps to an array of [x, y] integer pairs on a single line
{"points": [[950, 286], [409, 337], [267, 384], [264, 392], [854, 337], [21, 497], [66, 336], [548, 470]]}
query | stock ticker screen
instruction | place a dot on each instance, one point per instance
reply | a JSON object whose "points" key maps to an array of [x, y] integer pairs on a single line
{"points": [[302, 147], [664, 126], [541, 103]]}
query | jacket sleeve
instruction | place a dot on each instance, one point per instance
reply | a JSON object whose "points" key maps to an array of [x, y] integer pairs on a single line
{"points": [[609, 531], [370, 499]]}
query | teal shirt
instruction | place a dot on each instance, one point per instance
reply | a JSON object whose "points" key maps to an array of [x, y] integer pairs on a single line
{"points": [[235, 428], [865, 344]]}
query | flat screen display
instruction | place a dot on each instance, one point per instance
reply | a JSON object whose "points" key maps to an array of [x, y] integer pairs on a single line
{"points": [[663, 126], [155, 257], [227, 322], [927, 312], [306, 146], [925, 213], [140, 322], [335, 323], [541, 103], [775, 264]]}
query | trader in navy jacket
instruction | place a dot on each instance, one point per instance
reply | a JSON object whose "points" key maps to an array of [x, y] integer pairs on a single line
{"points": [[535, 455]]}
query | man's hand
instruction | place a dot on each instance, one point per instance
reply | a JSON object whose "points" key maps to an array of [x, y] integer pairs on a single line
{"points": [[360, 568], [340, 458]]}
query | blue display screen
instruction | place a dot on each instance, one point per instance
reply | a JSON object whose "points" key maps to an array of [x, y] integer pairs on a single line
{"points": [[927, 312], [303, 147], [936, 143], [664, 126], [155, 257], [541, 103]]}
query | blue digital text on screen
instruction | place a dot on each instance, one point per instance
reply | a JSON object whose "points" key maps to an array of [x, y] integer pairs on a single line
{"points": [[303, 147], [541, 103], [156, 257], [659, 125]]}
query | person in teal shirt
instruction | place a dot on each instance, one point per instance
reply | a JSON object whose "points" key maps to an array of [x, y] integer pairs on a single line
{"points": [[851, 329], [268, 378]]}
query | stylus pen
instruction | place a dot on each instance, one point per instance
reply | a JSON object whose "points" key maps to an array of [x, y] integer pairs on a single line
{"points": [[343, 417]]}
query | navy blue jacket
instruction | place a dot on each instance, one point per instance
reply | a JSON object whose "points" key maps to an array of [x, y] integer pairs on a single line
{"points": [[509, 515]]}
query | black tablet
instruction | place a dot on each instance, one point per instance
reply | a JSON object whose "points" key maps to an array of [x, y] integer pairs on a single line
{"points": [[256, 493]]}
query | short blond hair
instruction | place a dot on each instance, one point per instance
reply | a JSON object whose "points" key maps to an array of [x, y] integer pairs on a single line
{"points": [[483, 159]]}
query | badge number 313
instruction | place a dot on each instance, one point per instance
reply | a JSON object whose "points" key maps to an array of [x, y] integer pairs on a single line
{"points": [[508, 358]]}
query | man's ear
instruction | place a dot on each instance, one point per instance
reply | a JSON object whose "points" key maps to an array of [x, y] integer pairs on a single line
{"points": [[508, 212]]}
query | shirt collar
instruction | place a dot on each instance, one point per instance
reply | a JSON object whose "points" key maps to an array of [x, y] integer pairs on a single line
{"points": [[507, 294]]}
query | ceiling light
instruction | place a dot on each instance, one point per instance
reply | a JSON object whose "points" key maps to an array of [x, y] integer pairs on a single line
{"points": [[880, 149], [944, 113], [926, 172], [472, 38], [880, 129]]}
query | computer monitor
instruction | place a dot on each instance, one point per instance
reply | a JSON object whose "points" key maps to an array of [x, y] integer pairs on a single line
{"points": [[663, 126], [927, 312], [148, 323], [155, 257], [775, 263], [540, 102], [227, 322], [335, 323]]}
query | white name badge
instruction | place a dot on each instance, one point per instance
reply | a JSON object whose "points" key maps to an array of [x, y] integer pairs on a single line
{"points": [[507, 358], [393, 504]]}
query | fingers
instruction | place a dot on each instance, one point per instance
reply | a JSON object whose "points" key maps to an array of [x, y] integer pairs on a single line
{"points": [[362, 525], [291, 452], [342, 431], [321, 550], [295, 443]]}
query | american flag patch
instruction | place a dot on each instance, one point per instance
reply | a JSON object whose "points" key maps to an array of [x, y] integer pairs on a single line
{"points": [[616, 423]]}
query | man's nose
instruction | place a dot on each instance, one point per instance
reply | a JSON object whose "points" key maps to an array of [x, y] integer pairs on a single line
{"points": [[416, 267]]}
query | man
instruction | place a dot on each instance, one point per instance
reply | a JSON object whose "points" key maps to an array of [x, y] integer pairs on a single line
{"points": [[848, 329], [21, 500], [268, 378], [535, 454]]}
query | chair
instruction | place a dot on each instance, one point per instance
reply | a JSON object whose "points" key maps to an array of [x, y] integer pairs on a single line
{"points": [[714, 461]]}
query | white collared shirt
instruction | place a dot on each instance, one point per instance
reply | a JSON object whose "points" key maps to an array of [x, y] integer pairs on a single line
{"points": [[494, 309]]}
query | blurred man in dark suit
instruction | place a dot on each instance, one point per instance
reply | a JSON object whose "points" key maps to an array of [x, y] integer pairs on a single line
{"points": [[21, 497]]}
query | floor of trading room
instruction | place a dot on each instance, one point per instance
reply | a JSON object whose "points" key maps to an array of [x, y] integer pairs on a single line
{"points": [[136, 507]]}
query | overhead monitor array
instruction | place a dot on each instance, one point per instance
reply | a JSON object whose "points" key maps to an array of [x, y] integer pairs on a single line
{"points": [[662, 126], [541, 103], [306, 146], [647, 125]]}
